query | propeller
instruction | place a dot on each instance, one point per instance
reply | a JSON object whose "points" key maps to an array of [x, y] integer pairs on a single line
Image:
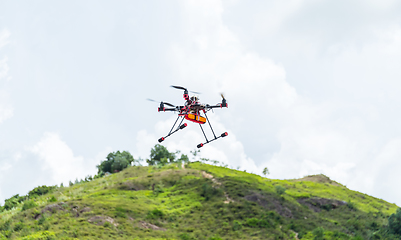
{"points": [[224, 101], [166, 103], [182, 88], [179, 87]]}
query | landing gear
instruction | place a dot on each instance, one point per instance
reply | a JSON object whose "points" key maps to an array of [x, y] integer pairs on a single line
{"points": [[215, 138], [180, 126]]}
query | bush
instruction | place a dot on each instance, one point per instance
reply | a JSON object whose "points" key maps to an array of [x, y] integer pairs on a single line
{"points": [[41, 190], [237, 225], [13, 201], [53, 199], [155, 214], [318, 233], [209, 191], [28, 205], [19, 226], [215, 237], [394, 222], [280, 190], [185, 236]]}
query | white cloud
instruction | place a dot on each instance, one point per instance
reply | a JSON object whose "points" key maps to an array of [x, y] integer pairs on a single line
{"points": [[6, 110], [329, 137], [4, 35], [59, 159]]}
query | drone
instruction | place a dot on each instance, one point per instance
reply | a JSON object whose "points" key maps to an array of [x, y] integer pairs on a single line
{"points": [[192, 111]]}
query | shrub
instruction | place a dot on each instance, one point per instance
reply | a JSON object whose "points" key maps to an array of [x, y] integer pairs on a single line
{"points": [[41, 220], [208, 191], [41, 190], [215, 237], [5, 226], [185, 236], [394, 222], [53, 199], [237, 225], [155, 214], [19, 226], [280, 190], [318, 233], [28, 205], [13, 201], [351, 205], [252, 222]]}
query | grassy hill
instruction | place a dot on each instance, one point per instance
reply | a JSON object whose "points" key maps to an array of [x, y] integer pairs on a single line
{"points": [[199, 201]]}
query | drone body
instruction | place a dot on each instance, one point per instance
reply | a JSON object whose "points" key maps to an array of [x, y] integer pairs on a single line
{"points": [[192, 111]]}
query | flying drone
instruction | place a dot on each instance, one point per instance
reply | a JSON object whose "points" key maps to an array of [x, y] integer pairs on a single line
{"points": [[192, 111]]}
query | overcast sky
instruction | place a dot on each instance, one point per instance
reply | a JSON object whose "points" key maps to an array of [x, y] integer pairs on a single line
{"points": [[312, 86]]}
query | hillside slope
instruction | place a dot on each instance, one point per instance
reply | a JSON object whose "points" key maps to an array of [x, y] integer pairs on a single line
{"points": [[199, 202]]}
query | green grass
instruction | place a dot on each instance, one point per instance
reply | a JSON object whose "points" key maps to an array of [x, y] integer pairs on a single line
{"points": [[182, 204]]}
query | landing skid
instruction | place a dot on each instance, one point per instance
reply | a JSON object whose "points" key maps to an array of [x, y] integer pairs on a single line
{"points": [[215, 138], [180, 126]]}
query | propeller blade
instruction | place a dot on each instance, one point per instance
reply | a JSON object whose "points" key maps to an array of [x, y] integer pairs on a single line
{"points": [[168, 104], [195, 92], [222, 95], [178, 87]]}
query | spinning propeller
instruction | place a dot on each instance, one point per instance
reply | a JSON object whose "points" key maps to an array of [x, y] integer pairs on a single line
{"points": [[185, 90], [161, 103]]}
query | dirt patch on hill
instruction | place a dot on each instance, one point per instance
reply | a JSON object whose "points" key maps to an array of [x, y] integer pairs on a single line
{"points": [[319, 178], [317, 204], [53, 208], [101, 220], [147, 225], [271, 203], [130, 185]]}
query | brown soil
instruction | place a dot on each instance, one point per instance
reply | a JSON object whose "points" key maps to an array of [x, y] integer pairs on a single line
{"points": [[147, 225], [101, 220], [271, 203], [52, 208], [317, 204]]}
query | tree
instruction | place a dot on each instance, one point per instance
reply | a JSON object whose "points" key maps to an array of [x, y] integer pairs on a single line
{"points": [[160, 155], [115, 162], [183, 158], [265, 171], [394, 222]]}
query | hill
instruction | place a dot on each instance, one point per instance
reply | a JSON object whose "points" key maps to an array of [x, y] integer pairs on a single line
{"points": [[199, 201]]}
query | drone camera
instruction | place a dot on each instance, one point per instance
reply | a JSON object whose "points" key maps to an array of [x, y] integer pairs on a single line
{"points": [[224, 134]]}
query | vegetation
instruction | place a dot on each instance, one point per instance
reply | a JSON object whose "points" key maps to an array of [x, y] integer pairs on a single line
{"points": [[160, 155], [115, 162], [200, 201]]}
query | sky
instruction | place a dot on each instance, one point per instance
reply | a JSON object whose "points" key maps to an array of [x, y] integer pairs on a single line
{"points": [[312, 87]]}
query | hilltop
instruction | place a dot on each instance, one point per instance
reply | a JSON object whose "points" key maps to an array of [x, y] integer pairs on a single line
{"points": [[199, 201]]}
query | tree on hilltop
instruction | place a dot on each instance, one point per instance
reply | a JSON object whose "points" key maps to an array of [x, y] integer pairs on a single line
{"points": [[115, 162], [160, 155]]}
